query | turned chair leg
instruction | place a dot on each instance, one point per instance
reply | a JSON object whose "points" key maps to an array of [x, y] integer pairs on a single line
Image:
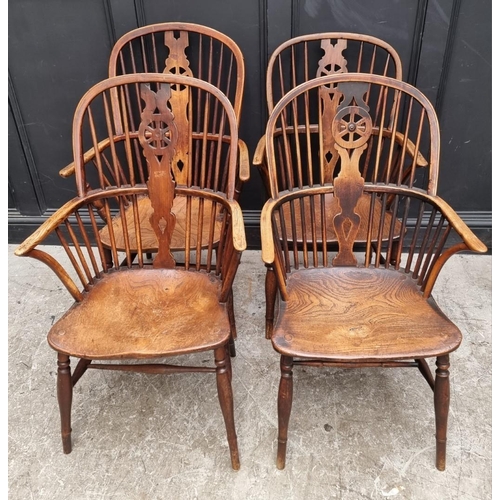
{"points": [[225, 392], [285, 396], [441, 407], [232, 324], [271, 291], [64, 397]]}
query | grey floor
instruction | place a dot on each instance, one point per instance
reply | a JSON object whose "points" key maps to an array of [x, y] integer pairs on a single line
{"points": [[353, 434]]}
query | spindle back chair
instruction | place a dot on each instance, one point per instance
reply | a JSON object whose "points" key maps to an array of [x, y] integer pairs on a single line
{"points": [[305, 57], [408, 122], [129, 307], [189, 50], [368, 302]]}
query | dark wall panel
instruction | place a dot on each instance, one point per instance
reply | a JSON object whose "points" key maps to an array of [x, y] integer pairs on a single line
{"points": [[59, 48], [57, 51], [25, 193], [466, 117]]}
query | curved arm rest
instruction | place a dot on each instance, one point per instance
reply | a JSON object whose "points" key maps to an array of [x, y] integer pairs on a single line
{"points": [[48, 227], [260, 152], [470, 241], [244, 162], [28, 247], [473, 243], [410, 147], [238, 227], [69, 170], [238, 242]]}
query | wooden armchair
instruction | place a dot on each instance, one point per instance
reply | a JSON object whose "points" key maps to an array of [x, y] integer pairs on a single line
{"points": [[372, 308], [189, 50], [117, 114], [127, 307], [407, 120]]}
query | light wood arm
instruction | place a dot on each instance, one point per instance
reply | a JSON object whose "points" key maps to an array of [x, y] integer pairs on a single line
{"points": [[470, 241], [48, 226], [69, 170], [260, 152], [244, 161]]}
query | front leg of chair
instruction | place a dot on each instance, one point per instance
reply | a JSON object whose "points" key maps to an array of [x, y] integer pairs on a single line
{"points": [[225, 392], [271, 291], [285, 396], [64, 397], [441, 407]]}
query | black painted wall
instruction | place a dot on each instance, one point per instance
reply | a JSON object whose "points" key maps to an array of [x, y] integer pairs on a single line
{"points": [[59, 48]]}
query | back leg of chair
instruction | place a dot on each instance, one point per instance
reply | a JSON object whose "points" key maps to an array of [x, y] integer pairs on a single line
{"points": [[80, 369], [225, 392], [441, 407], [232, 324], [426, 372], [64, 397], [285, 396], [271, 291]]}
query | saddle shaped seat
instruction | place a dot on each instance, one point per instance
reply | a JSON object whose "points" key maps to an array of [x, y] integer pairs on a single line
{"points": [[352, 314]]}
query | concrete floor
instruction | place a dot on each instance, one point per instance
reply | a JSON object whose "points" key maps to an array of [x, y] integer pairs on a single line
{"points": [[356, 434]]}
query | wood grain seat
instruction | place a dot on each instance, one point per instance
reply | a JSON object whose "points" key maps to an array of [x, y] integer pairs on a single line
{"points": [[353, 314], [149, 239], [331, 210], [143, 313]]}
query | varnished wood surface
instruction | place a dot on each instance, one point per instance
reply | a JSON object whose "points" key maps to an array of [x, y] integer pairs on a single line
{"points": [[360, 314], [332, 209], [143, 313], [148, 236]]}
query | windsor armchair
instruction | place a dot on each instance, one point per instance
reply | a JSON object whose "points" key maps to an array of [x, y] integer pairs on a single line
{"points": [[190, 50], [299, 60], [342, 308], [128, 307]]}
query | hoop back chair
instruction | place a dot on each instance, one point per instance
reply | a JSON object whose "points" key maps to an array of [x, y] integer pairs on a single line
{"points": [[305, 57], [188, 50], [348, 309], [127, 307]]}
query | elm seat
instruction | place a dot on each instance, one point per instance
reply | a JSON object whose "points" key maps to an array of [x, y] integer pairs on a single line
{"points": [[327, 314], [139, 325]]}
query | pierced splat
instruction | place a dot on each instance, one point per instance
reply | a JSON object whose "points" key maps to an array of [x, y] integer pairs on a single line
{"points": [[177, 63], [351, 129], [158, 136], [332, 62]]}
